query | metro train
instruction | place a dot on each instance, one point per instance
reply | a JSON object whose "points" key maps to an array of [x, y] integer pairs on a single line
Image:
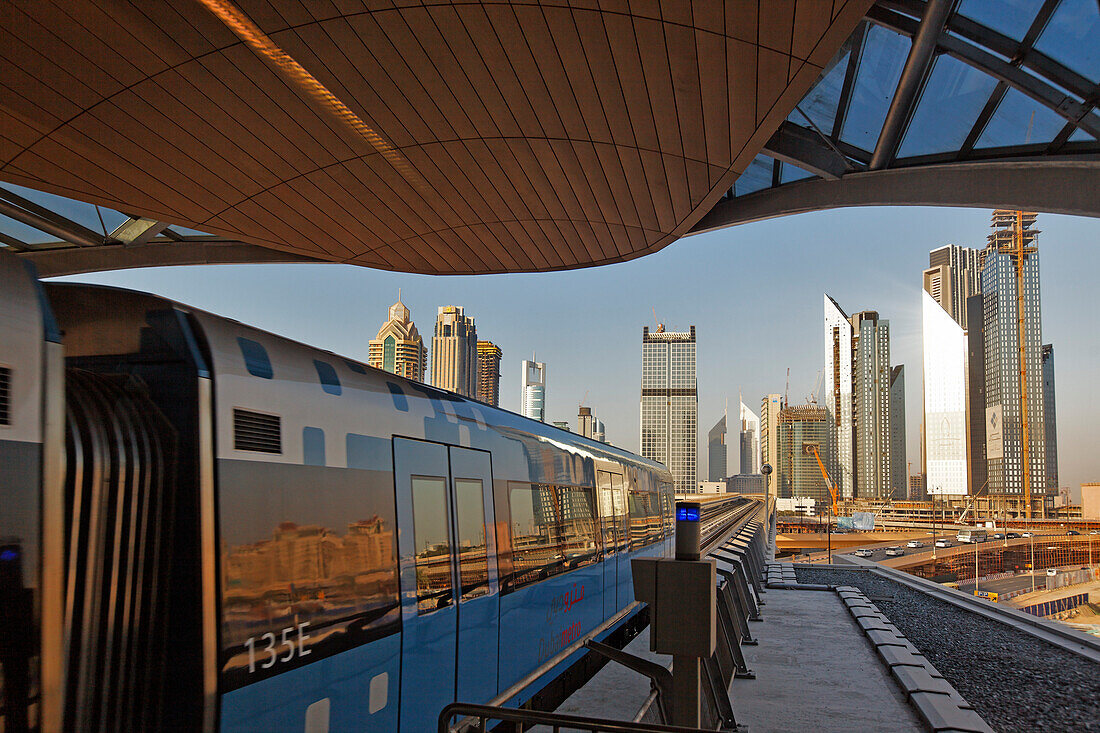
{"points": [[204, 526]]}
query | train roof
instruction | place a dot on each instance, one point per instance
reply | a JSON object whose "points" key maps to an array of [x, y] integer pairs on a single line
{"points": [[564, 438]]}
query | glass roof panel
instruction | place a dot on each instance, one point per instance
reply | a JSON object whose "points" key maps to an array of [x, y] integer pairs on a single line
{"points": [[1073, 37], [821, 102], [1009, 17], [78, 211], [1013, 124], [952, 98], [756, 177], [1080, 135], [880, 65], [789, 173]]}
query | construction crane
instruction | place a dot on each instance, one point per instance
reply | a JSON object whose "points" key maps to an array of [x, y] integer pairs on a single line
{"points": [[660, 326], [812, 449]]}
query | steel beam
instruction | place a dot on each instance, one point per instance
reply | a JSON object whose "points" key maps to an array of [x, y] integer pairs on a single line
{"points": [[138, 230], [913, 76], [17, 245], [805, 148], [1058, 186], [75, 234], [74, 260]]}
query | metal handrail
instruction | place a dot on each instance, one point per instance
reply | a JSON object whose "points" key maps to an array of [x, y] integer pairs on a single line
{"points": [[556, 721]]}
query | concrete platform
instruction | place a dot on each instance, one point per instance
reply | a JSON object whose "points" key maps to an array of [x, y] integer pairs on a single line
{"points": [[814, 670]]}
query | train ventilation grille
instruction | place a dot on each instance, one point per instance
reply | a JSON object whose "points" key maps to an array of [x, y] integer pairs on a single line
{"points": [[255, 431], [5, 396]]}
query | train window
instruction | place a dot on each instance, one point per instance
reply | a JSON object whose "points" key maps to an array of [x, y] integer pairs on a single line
{"points": [[618, 498], [256, 360], [314, 570], [433, 547], [645, 519], [329, 381], [357, 368], [607, 511], [578, 526], [473, 567], [400, 401], [536, 535], [553, 531], [313, 446]]}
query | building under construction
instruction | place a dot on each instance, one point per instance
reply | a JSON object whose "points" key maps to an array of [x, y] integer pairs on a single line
{"points": [[798, 472]]}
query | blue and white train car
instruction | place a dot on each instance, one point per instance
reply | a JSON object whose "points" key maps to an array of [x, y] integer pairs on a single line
{"points": [[242, 533]]}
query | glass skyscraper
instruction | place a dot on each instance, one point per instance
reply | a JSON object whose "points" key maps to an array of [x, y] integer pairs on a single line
{"points": [[1004, 400], [670, 404], [533, 398], [945, 359], [716, 451], [838, 398]]}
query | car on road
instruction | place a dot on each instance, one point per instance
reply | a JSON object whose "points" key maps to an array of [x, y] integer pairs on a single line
{"points": [[863, 553], [1094, 531], [1013, 535], [1052, 571], [998, 536], [1072, 531], [914, 543], [894, 552], [1027, 534], [943, 543]]}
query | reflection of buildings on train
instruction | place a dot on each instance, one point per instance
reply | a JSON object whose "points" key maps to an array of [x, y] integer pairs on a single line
{"points": [[305, 556]]}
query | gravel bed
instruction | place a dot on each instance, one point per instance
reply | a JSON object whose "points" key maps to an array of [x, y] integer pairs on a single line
{"points": [[1013, 680]]}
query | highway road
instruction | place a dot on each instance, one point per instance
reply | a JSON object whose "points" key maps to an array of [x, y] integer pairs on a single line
{"points": [[1007, 585]]}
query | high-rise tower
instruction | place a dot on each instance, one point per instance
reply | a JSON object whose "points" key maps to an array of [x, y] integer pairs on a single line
{"points": [[670, 404], [838, 398], [953, 275], [716, 451], [454, 352], [398, 347], [871, 407], [899, 481], [1050, 428], [945, 352], [770, 406], [488, 372], [1011, 306], [750, 440], [533, 385]]}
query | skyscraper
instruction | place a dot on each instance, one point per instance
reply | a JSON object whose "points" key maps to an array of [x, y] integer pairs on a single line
{"points": [[953, 275], [670, 404], [1050, 428], [1005, 403], [838, 397], [799, 475], [945, 349], [769, 437], [716, 451], [977, 474], [750, 440], [488, 372], [871, 394], [586, 421], [454, 352], [398, 347], [533, 386], [899, 488]]}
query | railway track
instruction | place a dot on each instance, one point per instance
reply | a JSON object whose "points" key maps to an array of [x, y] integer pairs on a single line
{"points": [[722, 519]]}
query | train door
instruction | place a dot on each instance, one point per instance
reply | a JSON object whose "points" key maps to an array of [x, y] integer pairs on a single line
{"points": [[609, 488], [624, 593], [475, 556], [448, 578]]}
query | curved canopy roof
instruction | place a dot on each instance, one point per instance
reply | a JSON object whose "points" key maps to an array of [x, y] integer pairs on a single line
{"points": [[450, 138], [435, 137]]}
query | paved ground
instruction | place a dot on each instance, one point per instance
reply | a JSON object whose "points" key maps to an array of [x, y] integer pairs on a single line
{"points": [[815, 671], [1006, 585]]}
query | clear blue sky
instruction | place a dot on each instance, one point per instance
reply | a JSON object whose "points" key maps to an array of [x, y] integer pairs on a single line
{"points": [[753, 292]]}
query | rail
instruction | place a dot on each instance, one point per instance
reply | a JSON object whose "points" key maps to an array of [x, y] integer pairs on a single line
{"points": [[521, 719]]}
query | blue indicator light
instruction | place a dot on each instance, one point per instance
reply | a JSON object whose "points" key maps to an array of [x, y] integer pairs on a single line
{"points": [[687, 514], [9, 555]]}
